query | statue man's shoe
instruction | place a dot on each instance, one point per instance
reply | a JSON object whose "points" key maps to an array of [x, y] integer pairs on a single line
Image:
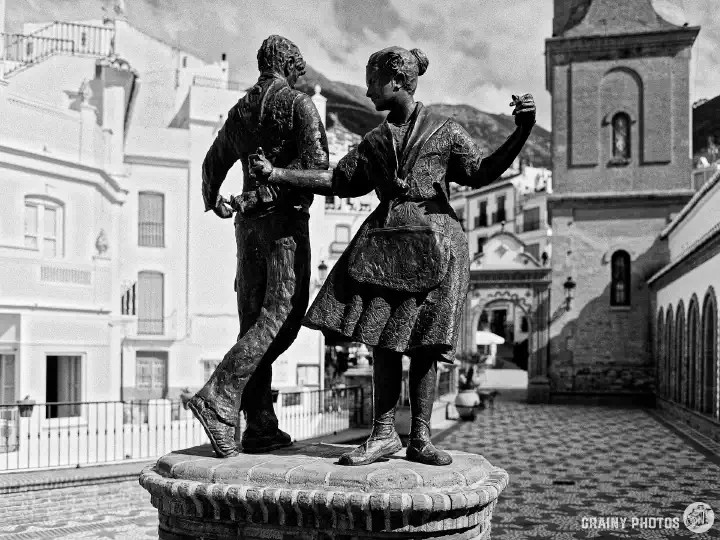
{"points": [[372, 450], [259, 443], [221, 435], [424, 451]]}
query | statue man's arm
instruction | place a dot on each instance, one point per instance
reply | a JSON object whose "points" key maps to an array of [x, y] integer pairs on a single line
{"points": [[310, 137], [224, 152]]}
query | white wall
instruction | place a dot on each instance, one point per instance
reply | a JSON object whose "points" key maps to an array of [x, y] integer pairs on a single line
{"points": [[696, 281], [702, 218]]}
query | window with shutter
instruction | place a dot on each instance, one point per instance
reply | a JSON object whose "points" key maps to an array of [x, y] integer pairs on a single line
{"points": [[7, 380], [531, 219], [150, 303], [151, 219], [151, 374]]}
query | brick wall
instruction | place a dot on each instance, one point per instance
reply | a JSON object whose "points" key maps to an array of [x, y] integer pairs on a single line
{"points": [[48, 504], [583, 106], [597, 347]]}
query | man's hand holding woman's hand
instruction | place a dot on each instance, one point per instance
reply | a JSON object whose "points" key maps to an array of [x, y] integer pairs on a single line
{"points": [[260, 167]]}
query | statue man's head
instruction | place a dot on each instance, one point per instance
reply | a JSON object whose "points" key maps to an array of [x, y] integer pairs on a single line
{"points": [[281, 56], [392, 72]]}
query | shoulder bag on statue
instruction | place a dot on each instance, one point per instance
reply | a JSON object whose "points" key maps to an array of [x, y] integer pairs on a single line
{"points": [[405, 251]]}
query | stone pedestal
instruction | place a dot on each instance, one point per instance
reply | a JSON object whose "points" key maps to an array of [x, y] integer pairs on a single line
{"points": [[301, 493]]}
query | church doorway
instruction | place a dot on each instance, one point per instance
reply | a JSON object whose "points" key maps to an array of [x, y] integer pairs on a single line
{"points": [[509, 296], [511, 322]]}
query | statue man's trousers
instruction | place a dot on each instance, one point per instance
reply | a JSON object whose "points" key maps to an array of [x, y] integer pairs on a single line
{"points": [[272, 284]]}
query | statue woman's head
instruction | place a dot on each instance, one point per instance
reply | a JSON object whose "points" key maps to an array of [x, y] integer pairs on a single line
{"points": [[391, 75]]}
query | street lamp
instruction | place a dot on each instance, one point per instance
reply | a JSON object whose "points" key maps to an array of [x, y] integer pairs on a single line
{"points": [[569, 287], [322, 274]]}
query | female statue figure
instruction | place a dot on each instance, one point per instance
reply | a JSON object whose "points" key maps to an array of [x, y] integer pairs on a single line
{"points": [[401, 284]]}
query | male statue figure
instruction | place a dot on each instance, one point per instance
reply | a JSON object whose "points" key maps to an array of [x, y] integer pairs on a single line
{"points": [[273, 252]]}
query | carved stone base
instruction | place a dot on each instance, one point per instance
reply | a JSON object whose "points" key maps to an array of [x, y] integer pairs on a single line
{"points": [[300, 493]]}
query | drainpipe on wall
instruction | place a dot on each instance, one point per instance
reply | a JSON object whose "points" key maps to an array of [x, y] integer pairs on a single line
{"points": [[122, 371]]}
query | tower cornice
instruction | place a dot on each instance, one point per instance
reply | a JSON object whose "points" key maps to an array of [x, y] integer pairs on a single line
{"points": [[566, 50]]}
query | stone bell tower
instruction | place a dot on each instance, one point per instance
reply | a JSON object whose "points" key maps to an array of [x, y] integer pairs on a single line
{"points": [[618, 74]]}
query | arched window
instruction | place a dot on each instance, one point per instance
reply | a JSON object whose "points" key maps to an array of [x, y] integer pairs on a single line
{"points": [[680, 372], [659, 351], [709, 356], [44, 225], [692, 333], [620, 279], [621, 137], [670, 356]]}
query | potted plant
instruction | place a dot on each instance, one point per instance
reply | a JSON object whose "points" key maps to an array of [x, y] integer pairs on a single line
{"points": [[185, 396], [25, 407]]}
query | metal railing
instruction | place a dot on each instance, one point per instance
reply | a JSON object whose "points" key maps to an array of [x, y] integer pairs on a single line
{"points": [[72, 434], [220, 84], [151, 327], [701, 176], [151, 234], [22, 50]]}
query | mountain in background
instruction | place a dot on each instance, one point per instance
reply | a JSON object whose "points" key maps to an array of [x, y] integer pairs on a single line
{"points": [[356, 112]]}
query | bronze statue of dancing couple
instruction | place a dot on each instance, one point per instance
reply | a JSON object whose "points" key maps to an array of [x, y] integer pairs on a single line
{"points": [[401, 284]]}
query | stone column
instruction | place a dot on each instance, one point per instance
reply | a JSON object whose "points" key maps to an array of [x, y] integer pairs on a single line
{"points": [[538, 381], [300, 493]]}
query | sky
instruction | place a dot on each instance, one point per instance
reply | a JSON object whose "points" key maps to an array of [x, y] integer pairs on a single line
{"points": [[480, 51]]}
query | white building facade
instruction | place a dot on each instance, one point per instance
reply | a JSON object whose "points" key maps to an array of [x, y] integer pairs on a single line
{"points": [[116, 284], [515, 208], [685, 304]]}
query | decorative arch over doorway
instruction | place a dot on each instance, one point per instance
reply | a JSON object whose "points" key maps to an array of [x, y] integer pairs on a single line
{"points": [[505, 273]]}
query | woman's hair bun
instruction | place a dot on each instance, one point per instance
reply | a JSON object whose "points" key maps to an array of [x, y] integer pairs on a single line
{"points": [[422, 60]]}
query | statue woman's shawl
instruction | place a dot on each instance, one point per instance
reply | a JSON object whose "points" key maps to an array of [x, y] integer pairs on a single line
{"points": [[402, 281]]}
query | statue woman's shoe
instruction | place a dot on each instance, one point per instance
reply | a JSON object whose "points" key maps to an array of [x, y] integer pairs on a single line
{"points": [[221, 435], [424, 451], [259, 443], [372, 450]]}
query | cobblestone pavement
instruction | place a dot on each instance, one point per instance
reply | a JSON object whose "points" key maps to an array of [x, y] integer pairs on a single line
{"points": [[565, 463], [570, 462]]}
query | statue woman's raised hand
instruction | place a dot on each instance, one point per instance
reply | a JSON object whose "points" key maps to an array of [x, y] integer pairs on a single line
{"points": [[524, 110]]}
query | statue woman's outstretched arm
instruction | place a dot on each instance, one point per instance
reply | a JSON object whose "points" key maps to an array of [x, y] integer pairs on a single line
{"points": [[469, 168]]}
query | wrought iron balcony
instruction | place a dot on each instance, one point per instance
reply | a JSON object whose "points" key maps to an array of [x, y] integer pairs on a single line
{"points": [[20, 51]]}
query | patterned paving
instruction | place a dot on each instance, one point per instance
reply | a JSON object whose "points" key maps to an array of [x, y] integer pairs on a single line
{"points": [[565, 463], [570, 462]]}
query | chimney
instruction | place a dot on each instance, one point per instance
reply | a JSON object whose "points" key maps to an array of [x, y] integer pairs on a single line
{"points": [[224, 67], [320, 102], [115, 85]]}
